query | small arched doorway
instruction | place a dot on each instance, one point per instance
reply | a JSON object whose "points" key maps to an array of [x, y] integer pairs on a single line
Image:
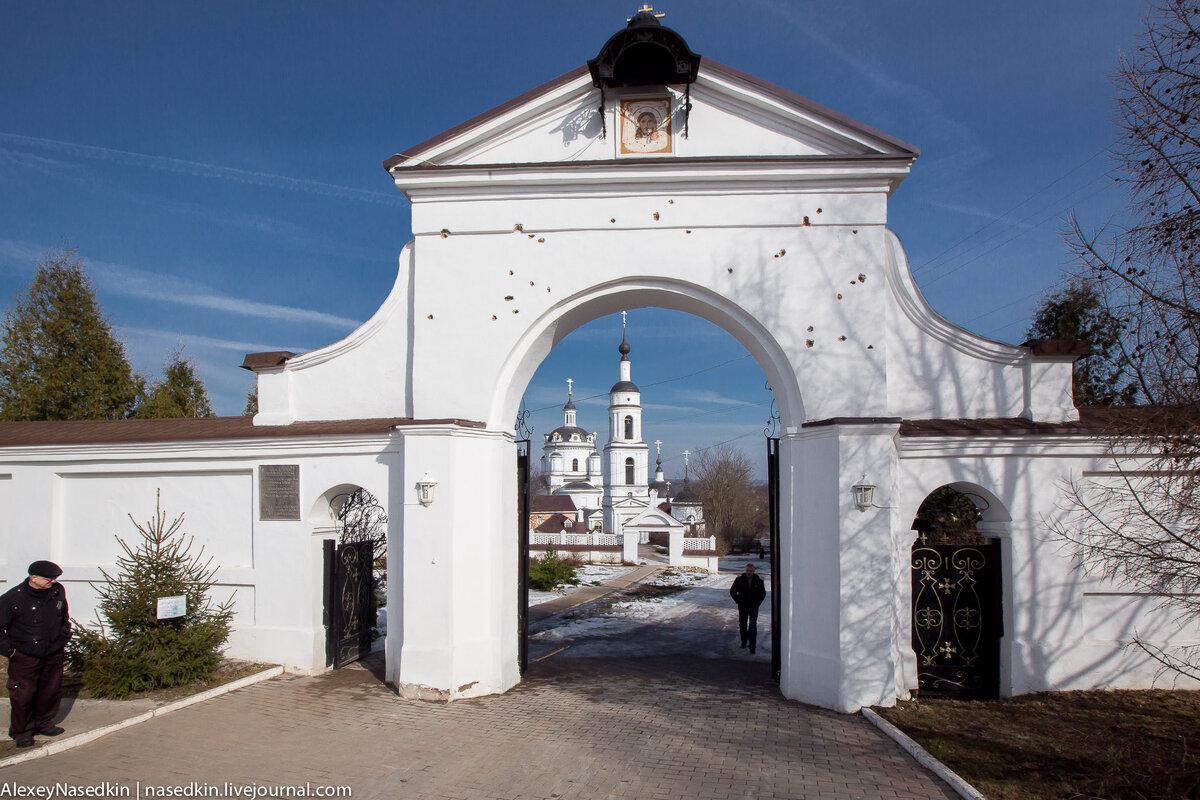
{"points": [[957, 596], [354, 525]]}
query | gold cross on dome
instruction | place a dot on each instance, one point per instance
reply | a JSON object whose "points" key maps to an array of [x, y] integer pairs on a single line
{"points": [[570, 383], [658, 445], [644, 9]]}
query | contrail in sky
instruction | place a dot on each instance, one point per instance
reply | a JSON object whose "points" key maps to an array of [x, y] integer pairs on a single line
{"points": [[202, 170], [131, 282]]}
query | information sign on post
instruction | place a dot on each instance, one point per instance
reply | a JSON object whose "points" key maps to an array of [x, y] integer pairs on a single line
{"points": [[172, 607]]}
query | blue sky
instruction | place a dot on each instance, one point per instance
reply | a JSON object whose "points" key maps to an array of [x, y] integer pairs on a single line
{"points": [[217, 164]]}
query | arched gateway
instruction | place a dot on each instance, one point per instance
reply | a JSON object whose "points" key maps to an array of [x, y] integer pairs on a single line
{"points": [[716, 194], [651, 178]]}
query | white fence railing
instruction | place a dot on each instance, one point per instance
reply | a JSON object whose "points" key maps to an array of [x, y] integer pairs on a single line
{"points": [[575, 539], [699, 543]]}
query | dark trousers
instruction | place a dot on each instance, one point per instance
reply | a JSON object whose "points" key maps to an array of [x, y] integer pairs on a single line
{"points": [[34, 691], [748, 625]]}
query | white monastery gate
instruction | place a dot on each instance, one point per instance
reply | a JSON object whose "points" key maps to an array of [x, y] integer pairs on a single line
{"points": [[658, 179]]}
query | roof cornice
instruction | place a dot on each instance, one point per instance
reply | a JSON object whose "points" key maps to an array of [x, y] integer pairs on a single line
{"points": [[579, 80], [875, 168]]}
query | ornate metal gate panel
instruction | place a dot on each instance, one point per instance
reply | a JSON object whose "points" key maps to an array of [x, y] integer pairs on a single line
{"points": [[773, 507], [957, 623], [347, 601], [523, 554]]}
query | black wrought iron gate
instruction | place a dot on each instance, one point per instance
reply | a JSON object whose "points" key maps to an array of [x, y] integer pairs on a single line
{"points": [[523, 554], [347, 601], [957, 620], [773, 506]]}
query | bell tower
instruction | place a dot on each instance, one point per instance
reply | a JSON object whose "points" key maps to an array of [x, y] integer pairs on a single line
{"points": [[626, 482]]}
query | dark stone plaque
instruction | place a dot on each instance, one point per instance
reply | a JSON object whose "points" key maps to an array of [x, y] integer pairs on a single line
{"points": [[279, 491]]}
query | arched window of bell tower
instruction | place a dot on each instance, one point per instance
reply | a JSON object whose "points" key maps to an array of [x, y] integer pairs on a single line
{"points": [[628, 468], [629, 428], [574, 465]]}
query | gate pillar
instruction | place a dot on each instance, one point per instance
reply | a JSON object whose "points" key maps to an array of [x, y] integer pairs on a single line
{"points": [[841, 578], [452, 564]]}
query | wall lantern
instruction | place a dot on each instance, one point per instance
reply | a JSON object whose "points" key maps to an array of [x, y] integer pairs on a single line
{"points": [[425, 490], [864, 494]]}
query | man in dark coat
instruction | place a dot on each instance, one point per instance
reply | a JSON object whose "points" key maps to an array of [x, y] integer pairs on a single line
{"points": [[34, 630], [748, 592]]}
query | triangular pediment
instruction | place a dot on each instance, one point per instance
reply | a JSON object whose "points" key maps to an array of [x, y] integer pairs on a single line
{"points": [[733, 115], [628, 502], [653, 518]]}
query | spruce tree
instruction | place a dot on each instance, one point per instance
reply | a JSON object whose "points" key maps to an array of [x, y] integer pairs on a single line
{"points": [[130, 649], [1076, 311], [180, 393], [251, 402], [59, 357]]}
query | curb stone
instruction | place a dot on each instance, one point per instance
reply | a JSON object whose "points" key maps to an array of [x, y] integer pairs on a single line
{"points": [[923, 757], [58, 746]]}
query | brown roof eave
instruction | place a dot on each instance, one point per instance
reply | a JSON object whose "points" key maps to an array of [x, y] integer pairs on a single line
{"points": [[816, 108], [132, 431], [486, 116], [907, 149], [275, 358]]}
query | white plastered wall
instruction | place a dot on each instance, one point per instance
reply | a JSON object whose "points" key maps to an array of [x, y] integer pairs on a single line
{"points": [[1063, 629], [74, 500]]}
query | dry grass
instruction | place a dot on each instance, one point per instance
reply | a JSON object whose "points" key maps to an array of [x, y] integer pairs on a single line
{"points": [[1117, 745]]}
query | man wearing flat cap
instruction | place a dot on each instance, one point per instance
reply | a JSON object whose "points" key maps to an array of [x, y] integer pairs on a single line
{"points": [[34, 630]]}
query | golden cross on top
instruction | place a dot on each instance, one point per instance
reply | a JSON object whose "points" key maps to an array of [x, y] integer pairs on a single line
{"points": [[569, 384], [644, 9]]}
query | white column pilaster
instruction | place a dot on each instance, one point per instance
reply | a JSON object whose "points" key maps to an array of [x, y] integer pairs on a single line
{"points": [[838, 567], [452, 632]]}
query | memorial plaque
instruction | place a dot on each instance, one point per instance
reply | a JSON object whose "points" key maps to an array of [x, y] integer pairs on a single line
{"points": [[279, 491]]}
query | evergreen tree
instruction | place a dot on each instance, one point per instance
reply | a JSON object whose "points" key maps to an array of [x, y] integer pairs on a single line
{"points": [[180, 393], [1076, 311], [251, 402], [947, 516], [131, 650], [60, 359]]}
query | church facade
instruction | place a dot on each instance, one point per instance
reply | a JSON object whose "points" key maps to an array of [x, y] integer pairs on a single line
{"points": [[649, 178], [613, 492]]}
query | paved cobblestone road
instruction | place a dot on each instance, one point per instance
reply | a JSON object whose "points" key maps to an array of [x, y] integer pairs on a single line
{"points": [[661, 727]]}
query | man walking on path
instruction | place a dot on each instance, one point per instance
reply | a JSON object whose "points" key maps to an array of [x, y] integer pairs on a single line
{"points": [[748, 592], [34, 630]]}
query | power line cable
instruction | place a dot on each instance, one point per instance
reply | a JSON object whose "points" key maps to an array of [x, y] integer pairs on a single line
{"points": [[969, 261], [711, 446], [707, 413], [1052, 206], [994, 220], [656, 383]]}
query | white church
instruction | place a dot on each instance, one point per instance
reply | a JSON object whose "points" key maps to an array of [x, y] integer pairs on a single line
{"points": [[613, 493], [747, 205]]}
